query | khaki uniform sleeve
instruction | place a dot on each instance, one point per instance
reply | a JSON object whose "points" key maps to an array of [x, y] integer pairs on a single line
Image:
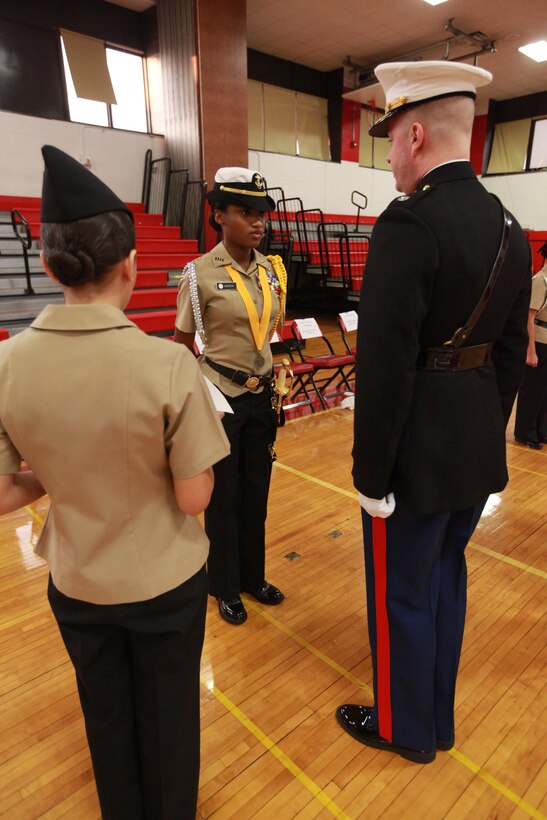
{"points": [[539, 292], [185, 315], [10, 460], [194, 436]]}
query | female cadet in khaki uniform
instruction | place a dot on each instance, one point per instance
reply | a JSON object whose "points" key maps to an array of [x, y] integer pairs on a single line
{"points": [[531, 418], [119, 429], [233, 296]]}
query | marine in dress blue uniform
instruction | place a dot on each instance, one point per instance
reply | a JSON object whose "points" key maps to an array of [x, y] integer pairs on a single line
{"points": [[429, 443]]}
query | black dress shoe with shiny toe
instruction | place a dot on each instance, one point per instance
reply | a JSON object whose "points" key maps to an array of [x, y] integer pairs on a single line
{"points": [[356, 720], [267, 594], [533, 443], [232, 611]]}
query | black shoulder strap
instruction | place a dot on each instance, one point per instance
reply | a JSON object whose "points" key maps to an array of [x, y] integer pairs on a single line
{"points": [[463, 333]]}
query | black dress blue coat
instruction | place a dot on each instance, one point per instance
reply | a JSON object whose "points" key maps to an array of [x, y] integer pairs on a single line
{"points": [[437, 439]]}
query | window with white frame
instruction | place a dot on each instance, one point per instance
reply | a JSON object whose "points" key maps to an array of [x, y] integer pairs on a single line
{"points": [[105, 85]]}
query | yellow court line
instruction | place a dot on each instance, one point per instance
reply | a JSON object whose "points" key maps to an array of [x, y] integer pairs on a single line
{"points": [[272, 747], [492, 781], [319, 481], [500, 556], [310, 647], [461, 758], [37, 517], [524, 449], [508, 560], [526, 470]]}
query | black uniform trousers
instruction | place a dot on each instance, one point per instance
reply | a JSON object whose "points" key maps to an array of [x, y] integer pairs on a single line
{"points": [[531, 418], [137, 669], [235, 520], [416, 580]]}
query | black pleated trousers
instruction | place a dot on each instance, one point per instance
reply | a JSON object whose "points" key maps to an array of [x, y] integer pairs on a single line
{"points": [[235, 520], [531, 418], [137, 670]]}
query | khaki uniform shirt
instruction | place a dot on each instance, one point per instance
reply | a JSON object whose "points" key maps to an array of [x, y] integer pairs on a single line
{"points": [[230, 340], [106, 416], [538, 302]]}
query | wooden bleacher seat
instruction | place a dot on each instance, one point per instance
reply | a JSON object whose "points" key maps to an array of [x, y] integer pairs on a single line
{"points": [[155, 321]]}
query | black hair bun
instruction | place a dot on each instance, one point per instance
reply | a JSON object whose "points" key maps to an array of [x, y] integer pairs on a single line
{"points": [[71, 268]]}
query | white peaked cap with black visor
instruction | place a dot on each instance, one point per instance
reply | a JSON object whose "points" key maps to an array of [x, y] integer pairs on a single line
{"points": [[241, 186], [409, 84]]}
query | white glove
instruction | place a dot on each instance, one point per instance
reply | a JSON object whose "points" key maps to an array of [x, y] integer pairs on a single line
{"points": [[378, 507]]}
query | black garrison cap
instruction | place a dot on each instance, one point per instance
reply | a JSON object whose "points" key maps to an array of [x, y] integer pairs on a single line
{"points": [[71, 192]]}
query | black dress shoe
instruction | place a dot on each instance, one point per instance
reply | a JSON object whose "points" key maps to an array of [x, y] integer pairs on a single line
{"points": [[356, 720], [232, 611], [267, 594], [533, 443], [445, 745]]}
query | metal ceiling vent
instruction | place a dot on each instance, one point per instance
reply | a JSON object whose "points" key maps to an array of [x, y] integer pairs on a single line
{"points": [[364, 74]]}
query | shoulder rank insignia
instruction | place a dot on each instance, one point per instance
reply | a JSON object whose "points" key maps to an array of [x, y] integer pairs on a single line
{"points": [[426, 187]]}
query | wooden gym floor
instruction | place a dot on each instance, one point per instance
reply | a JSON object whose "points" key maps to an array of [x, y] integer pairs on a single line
{"points": [[271, 747]]}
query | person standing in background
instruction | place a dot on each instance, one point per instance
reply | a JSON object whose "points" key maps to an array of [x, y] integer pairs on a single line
{"points": [[440, 351], [234, 297], [531, 418], [120, 431]]}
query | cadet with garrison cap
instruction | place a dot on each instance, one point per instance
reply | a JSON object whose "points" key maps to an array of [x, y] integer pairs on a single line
{"points": [[234, 298], [440, 353], [120, 431]]}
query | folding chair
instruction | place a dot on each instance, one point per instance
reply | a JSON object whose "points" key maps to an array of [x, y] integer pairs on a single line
{"points": [[303, 382], [347, 322], [338, 365]]}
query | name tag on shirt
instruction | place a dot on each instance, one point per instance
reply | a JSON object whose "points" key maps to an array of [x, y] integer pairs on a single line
{"points": [[226, 285]]}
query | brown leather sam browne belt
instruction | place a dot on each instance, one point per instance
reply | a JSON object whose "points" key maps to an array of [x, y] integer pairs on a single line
{"points": [[458, 358]]}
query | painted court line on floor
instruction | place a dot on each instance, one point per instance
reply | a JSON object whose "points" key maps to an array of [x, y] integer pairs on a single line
{"points": [[457, 755], [274, 749], [492, 553]]}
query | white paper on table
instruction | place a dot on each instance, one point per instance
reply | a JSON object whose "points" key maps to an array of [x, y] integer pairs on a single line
{"points": [[219, 399]]}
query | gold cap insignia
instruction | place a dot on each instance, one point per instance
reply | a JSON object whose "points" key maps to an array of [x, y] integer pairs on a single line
{"points": [[258, 181], [395, 103]]}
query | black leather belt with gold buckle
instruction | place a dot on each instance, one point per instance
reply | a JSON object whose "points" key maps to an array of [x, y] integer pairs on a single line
{"points": [[454, 358], [240, 378]]}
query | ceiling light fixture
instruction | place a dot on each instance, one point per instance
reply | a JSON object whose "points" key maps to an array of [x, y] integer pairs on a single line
{"points": [[536, 51], [435, 2]]}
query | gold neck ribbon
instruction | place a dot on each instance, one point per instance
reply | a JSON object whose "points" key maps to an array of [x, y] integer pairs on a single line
{"points": [[259, 327]]}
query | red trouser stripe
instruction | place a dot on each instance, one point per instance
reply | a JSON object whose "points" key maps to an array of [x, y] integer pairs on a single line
{"points": [[383, 679]]}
